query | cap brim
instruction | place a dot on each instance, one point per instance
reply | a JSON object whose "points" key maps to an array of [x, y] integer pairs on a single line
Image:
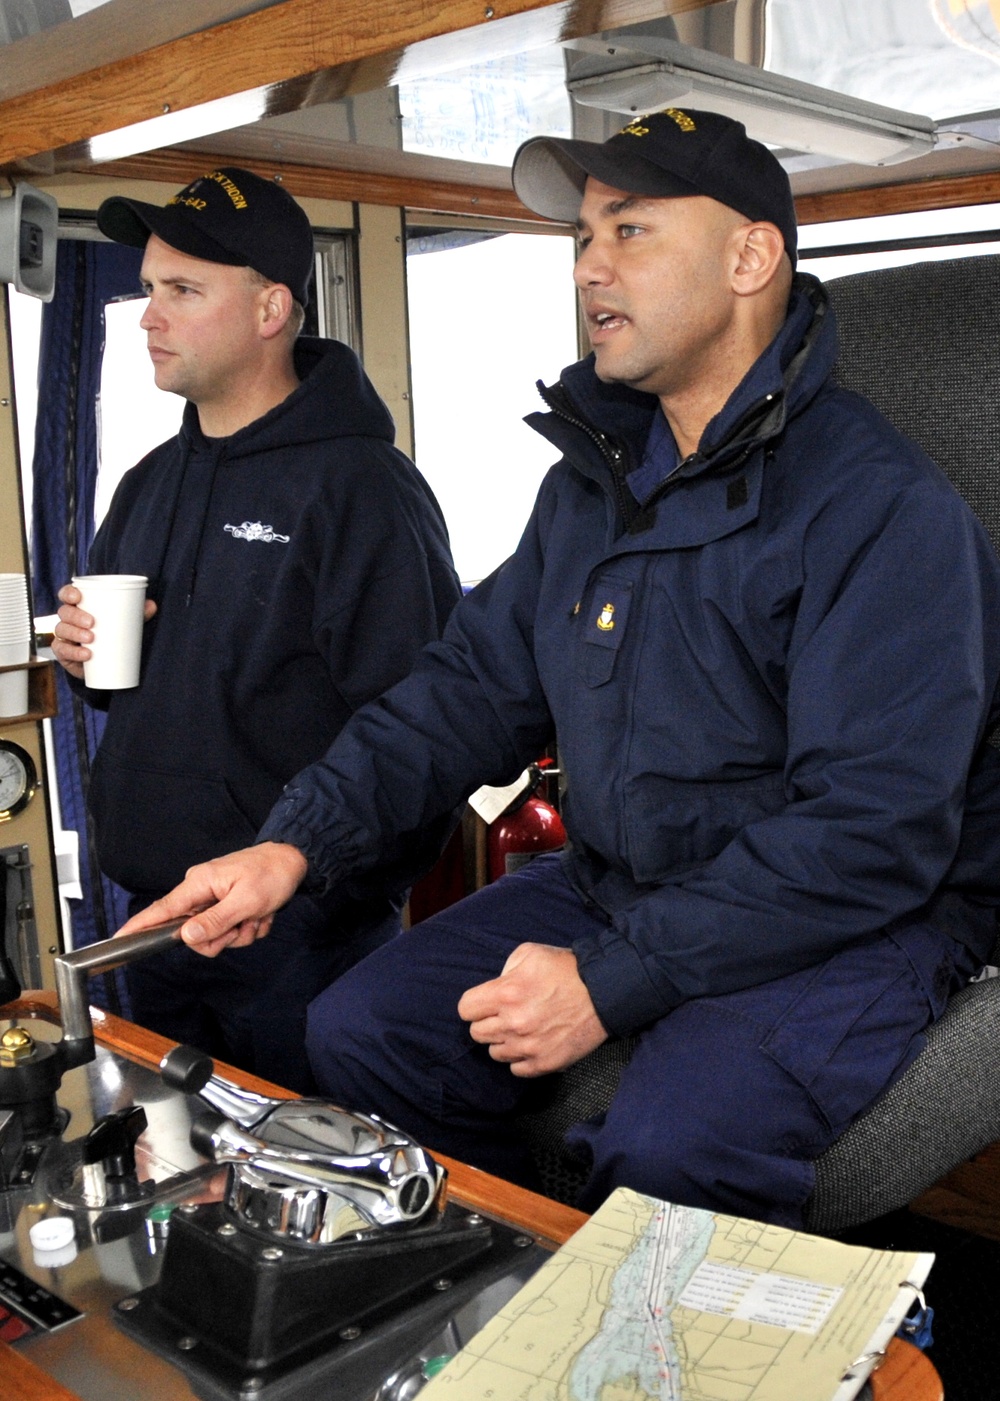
{"points": [[125, 220], [550, 173], [131, 221]]}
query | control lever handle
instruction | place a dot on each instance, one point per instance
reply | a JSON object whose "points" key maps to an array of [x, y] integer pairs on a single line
{"points": [[191, 1071], [73, 969], [187, 1069], [112, 1141], [397, 1183]]}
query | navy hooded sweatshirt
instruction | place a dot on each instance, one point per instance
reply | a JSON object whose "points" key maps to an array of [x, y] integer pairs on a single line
{"points": [[298, 566], [772, 673]]}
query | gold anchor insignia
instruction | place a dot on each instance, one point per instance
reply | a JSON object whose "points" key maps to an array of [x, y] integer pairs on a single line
{"points": [[606, 619]]}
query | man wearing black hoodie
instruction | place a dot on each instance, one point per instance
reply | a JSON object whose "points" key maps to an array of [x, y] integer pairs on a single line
{"points": [[297, 563]]}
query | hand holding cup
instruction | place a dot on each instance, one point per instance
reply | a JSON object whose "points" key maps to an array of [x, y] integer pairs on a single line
{"points": [[99, 634]]}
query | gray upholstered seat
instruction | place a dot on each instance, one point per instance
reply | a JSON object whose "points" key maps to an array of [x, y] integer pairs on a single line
{"points": [[923, 343]]}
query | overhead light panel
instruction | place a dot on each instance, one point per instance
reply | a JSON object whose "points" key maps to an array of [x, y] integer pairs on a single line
{"points": [[779, 111]]}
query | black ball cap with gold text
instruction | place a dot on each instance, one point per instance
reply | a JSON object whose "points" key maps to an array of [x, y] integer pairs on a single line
{"points": [[670, 154], [227, 216]]}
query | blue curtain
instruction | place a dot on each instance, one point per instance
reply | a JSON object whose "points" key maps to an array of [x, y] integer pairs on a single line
{"points": [[88, 276]]}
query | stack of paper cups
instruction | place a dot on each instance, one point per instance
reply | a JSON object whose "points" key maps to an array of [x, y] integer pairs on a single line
{"points": [[15, 644], [116, 603]]}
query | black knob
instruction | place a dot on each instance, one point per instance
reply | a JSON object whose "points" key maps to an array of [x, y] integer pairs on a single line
{"points": [[112, 1141], [187, 1069], [203, 1126]]}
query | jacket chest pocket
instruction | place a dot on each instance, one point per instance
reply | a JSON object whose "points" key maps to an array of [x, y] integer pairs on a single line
{"points": [[605, 617]]}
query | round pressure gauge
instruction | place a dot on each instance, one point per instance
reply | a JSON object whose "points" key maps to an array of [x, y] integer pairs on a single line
{"points": [[18, 779]]}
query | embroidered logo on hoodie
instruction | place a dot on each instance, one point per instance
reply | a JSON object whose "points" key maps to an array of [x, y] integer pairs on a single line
{"points": [[253, 530]]}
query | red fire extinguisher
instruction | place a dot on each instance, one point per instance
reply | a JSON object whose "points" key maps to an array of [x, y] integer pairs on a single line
{"points": [[528, 826]]}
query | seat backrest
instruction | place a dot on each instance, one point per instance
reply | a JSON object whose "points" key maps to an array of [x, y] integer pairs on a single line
{"points": [[923, 343]]}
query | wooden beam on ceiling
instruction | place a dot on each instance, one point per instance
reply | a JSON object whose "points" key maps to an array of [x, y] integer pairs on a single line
{"points": [[114, 29], [292, 55], [444, 196], [316, 182]]}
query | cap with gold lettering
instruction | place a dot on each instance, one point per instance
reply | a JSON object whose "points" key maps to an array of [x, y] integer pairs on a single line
{"points": [[666, 155], [227, 216]]}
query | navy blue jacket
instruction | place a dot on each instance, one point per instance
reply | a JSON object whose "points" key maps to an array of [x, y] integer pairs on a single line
{"points": [[298, 566], [771, 682]]}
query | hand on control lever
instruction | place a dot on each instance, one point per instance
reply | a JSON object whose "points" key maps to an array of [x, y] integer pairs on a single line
{"points": [[231, 900]]}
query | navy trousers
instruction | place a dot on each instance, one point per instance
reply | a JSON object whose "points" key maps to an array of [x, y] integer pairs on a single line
{"points": [[727, 1100], [248, 1006]]}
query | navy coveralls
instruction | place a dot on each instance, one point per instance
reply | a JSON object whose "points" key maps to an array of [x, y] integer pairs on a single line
{"points": [[771, 669]]}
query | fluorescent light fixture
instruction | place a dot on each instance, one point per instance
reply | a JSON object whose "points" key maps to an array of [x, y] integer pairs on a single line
{"points": [[186, 124], [654, 73]]}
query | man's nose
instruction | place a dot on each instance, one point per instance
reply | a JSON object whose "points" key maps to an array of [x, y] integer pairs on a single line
{"points": [[592, 267], [151, 317]]}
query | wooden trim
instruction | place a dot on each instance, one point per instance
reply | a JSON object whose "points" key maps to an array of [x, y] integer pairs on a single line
{"points": [[42, 697], [939, 193], [294, 55], [23, 1381], [454, 197], [316, 182], [967, 1198], [112, 31]]}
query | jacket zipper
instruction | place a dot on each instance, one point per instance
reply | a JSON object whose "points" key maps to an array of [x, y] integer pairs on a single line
{"points": [[613, 455], [635, 515]]}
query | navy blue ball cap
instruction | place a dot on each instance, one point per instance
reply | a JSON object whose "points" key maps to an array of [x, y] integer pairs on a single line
{"points": [[227, 216], [666, 155]]}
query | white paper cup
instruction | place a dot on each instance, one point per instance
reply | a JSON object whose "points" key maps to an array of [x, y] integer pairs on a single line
{"points": [[13, 694], [15, 619], [115, 602], [13, 653]]}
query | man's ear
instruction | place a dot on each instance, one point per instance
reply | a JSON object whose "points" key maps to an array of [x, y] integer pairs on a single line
{"points": [[275, 308], [761, 250]]}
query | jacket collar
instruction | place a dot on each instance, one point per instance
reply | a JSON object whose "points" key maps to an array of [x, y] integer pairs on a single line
{"points": [[602, 430], [779, 384]]}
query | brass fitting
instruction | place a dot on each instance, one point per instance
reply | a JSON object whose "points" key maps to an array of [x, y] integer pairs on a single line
{"points": [[15, 1046]]}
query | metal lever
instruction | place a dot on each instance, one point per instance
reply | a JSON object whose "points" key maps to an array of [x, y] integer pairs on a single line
{"points": [[73, 969], [389, 1187], [189, 1070]]}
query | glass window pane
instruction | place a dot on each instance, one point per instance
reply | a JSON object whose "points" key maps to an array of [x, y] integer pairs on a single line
{"points": [[486, 321], [133, 415], [483, 113], [25, 335], [848, 234]]}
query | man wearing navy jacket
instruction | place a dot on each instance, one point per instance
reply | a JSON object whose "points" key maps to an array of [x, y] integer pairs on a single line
{"points": [[297, 563], [766, 633]]}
